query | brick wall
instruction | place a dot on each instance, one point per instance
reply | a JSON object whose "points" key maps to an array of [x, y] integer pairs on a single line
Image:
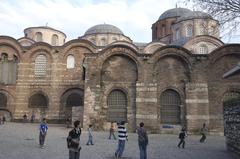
{"points": [[232, 125]]}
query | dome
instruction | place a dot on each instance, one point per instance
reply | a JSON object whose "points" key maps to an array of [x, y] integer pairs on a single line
{"points": [[195, 15], [176, 12], [103, 29]]}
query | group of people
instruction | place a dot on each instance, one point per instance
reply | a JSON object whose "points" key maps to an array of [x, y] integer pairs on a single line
{"points": [[183, 135], [73, 139], [2, 119]]}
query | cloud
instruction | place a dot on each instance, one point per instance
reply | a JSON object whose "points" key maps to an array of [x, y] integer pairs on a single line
{"points": [[74, 17]]}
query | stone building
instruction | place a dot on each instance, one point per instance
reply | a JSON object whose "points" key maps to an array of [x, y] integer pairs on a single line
{"points": [[103, 76]]}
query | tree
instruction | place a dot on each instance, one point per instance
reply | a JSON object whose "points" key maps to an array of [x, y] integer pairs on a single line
{"points": [[227, 12]]}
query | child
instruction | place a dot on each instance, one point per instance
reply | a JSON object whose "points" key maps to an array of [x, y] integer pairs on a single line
{"points": [[43, 132], [90, 137], [111, 132], [182, 136]]}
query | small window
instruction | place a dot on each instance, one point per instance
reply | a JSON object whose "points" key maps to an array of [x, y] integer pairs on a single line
{"points": [[163, 30], [54, 40], [38, 37], [4, 57], [177, 34], [70, 62], [211, 30], [40, 65], [189, 31], [103, 42], [202, 29], [203, 49]]}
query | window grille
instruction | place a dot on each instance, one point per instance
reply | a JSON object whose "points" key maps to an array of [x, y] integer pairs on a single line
{"points": [[170, 107], [3, 100], [117, 106], [40, 66]]}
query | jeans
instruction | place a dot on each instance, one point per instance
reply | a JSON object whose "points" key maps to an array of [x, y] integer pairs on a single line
{"points": [[182, 142], [111, 133], [120, 149], [41, 139], [90, 140], [203, 138], [74, 155], [143, 151]]}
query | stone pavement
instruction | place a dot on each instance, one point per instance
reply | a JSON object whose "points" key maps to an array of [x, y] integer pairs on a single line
{"points": [[20, 141]]}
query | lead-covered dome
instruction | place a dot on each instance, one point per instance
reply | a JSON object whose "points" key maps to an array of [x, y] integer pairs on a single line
{"points": [[103, 29], [195, 15], [175, 12]]}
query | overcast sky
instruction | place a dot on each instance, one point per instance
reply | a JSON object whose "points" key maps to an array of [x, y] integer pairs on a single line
{"points": [[74, 17]]}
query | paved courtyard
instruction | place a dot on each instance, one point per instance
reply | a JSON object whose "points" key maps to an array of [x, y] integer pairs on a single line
{"points": [[20, 141]]}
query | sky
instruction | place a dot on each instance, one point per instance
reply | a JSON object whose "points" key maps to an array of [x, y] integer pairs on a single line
{"points": [[74, 17]]}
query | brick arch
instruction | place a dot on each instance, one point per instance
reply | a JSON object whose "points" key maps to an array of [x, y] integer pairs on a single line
{"points": [[43, 94], [32, 53], [10, 100], [176, 51], [79, 43], [224, 50], [120, 50], [13, 43], [119, 68]]}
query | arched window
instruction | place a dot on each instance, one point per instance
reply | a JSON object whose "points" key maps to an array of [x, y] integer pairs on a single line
{"points": [[38, 100], [117, 106], [54, 40], [3, 100], [70, 62], [202, 29], [163, 30], [203, 49], [40, 65], [4, 57], [189, 31], [211, 30], [38, 37], [74, 99], [15, 59], [170, 107], [103, 42], [177, 34]]}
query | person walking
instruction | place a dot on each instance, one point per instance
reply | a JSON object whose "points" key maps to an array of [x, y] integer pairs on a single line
{"points": [[73, 141], [32, 118], [203, 132], [122, 137], [111, 132], [43, 132], [142, 141], [182, 136], [90, 136]]}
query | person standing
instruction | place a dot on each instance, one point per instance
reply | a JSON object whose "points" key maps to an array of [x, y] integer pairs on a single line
{"points": [[122, 137], [142, 141], [73, 141], [32, 118], [111, 132], [203, 132], [90, 136], [43, 132], [3, 119], [25, 118], [182, 136]]}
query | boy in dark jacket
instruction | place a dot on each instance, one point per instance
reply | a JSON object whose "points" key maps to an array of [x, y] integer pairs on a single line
{"points": [[182, 136], [142, 141], [73, 141]]}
